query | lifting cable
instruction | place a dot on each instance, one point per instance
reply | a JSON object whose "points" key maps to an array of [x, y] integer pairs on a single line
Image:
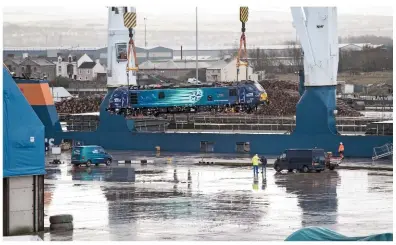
{"points": [[132, 51], [242, 59], [130, 23]]}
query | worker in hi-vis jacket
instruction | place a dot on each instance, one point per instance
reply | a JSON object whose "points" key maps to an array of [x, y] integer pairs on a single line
{"points": [[255, 163], [341, 150]]}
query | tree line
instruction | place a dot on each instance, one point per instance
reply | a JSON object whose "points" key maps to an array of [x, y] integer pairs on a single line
{"points": [[290, 60]]}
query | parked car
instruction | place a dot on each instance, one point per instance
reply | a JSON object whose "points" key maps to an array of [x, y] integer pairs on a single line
{"points": [[304, 160], [90, 154]]}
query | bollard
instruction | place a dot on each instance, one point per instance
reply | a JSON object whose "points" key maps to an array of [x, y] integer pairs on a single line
{"points": [[61, 222], [158, 150]]}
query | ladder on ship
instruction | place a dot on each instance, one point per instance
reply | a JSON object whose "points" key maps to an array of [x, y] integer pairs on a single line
{"points": [[382, 151]]}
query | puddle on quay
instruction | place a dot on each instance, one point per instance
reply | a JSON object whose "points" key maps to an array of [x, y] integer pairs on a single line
{"points": [[211, 202]]}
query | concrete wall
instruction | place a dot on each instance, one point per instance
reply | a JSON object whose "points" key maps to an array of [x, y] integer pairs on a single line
{"points": [[85, 74], [90, 74], [63, 71], [63, 64], [213, 75], [348, 89], [229, 72], [14, 67], [169, 73], [23, 205], [38, 71], [98, 69]]}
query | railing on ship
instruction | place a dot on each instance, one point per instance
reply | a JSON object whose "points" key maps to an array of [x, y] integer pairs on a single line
{"points": [[212, 123]]}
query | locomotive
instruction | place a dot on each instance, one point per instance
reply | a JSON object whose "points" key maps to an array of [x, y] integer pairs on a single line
{"points": [[243, 96]]}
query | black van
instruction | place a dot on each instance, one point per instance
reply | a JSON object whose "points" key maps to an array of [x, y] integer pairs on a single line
{"points": [[304, 160]]}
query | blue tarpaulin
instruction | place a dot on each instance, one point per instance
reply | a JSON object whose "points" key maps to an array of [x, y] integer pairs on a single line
{"points": [[323, 234], [23, 133]]}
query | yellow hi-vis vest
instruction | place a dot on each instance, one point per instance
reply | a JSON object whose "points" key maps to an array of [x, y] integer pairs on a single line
{"points": [[255, 161]]}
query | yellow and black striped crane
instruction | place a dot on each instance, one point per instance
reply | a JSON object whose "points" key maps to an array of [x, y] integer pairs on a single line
{"points": [[130, 23], [242, 52]]}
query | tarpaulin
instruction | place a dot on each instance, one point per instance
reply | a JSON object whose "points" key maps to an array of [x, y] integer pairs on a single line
{"points": [[323, 234], [23, 133]]}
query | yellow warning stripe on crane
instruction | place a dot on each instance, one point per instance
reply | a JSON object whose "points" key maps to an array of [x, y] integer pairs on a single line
{"points": [[130, 20], [243, 14]]}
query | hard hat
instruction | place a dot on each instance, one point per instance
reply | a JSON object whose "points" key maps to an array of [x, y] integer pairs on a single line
{"points": [[340, 143]]}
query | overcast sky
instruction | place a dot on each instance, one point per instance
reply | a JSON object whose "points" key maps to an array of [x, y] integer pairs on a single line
{"points": [[161, 8]]}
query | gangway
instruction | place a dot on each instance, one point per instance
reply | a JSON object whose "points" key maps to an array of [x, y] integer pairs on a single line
{"points": [[382, 151]]}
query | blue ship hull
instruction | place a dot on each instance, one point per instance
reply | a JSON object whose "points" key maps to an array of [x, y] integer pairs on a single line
{"points": [[117, 133]]}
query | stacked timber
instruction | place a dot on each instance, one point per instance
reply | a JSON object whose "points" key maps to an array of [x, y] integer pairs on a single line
{"points": [[345, 110], [284, 96], [79, 105]]}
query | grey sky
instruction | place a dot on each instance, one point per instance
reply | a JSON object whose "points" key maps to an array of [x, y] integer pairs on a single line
{"points": [[163, 8]]}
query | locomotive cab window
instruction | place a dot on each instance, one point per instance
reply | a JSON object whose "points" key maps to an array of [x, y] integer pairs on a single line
{"points": [[233, 92], [210, 98], [161, 95], [121, 51], [259, 87]]}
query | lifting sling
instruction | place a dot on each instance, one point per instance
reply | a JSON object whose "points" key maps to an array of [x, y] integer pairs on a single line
{"points": [[242, 59]]}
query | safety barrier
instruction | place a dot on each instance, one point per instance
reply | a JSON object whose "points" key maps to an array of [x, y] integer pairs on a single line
{"points": [[123, 162], [382, 151]]}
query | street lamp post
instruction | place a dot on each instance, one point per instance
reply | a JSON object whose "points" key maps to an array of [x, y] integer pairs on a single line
{"points": [[145, 30]]}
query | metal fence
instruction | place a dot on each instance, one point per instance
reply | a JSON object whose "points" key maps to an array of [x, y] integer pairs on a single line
{"points": [[382, 151], [246, 124]]}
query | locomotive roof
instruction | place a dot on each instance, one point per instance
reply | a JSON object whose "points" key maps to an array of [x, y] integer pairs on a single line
{"points": [[206, 85]]}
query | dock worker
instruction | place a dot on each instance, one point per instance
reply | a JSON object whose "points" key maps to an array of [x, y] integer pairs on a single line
{"points": [[255, 162], [341, 150], [263, 164]]}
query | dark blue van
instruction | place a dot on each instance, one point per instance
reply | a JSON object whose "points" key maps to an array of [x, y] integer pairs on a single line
{"points": [[90, 154], [304, 160]]}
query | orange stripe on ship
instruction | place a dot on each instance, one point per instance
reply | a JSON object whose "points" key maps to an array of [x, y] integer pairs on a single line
{"points": [[37, 93]]}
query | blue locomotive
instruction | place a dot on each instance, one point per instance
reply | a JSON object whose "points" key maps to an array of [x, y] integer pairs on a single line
{"points": [[242, 96]]}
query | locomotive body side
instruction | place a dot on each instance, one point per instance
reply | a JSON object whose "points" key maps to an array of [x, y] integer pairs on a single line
{"points": [[183, 97], [246, 96]]}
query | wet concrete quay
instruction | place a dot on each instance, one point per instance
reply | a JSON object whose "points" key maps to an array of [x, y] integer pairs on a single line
{"points": [[183, 201]]}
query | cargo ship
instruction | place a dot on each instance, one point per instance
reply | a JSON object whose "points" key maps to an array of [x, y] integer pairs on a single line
{"points": [[315, 116]]}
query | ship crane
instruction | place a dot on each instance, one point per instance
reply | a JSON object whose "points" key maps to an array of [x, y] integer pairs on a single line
{"points": [[130, 23], [317, 30], [242, 59], [121, 55]]}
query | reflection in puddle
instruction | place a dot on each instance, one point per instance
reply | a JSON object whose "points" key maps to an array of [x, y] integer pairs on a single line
{"points": [[209, 203]]}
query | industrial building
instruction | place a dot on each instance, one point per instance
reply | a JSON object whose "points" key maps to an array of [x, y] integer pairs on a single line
{"points": [[31, 66], [225, 71], [163, 53], [66, 66], [215, 70]]}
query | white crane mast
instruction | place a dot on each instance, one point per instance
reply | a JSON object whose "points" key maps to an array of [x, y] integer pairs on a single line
{"points": [[117, 49], [317, 29]]}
